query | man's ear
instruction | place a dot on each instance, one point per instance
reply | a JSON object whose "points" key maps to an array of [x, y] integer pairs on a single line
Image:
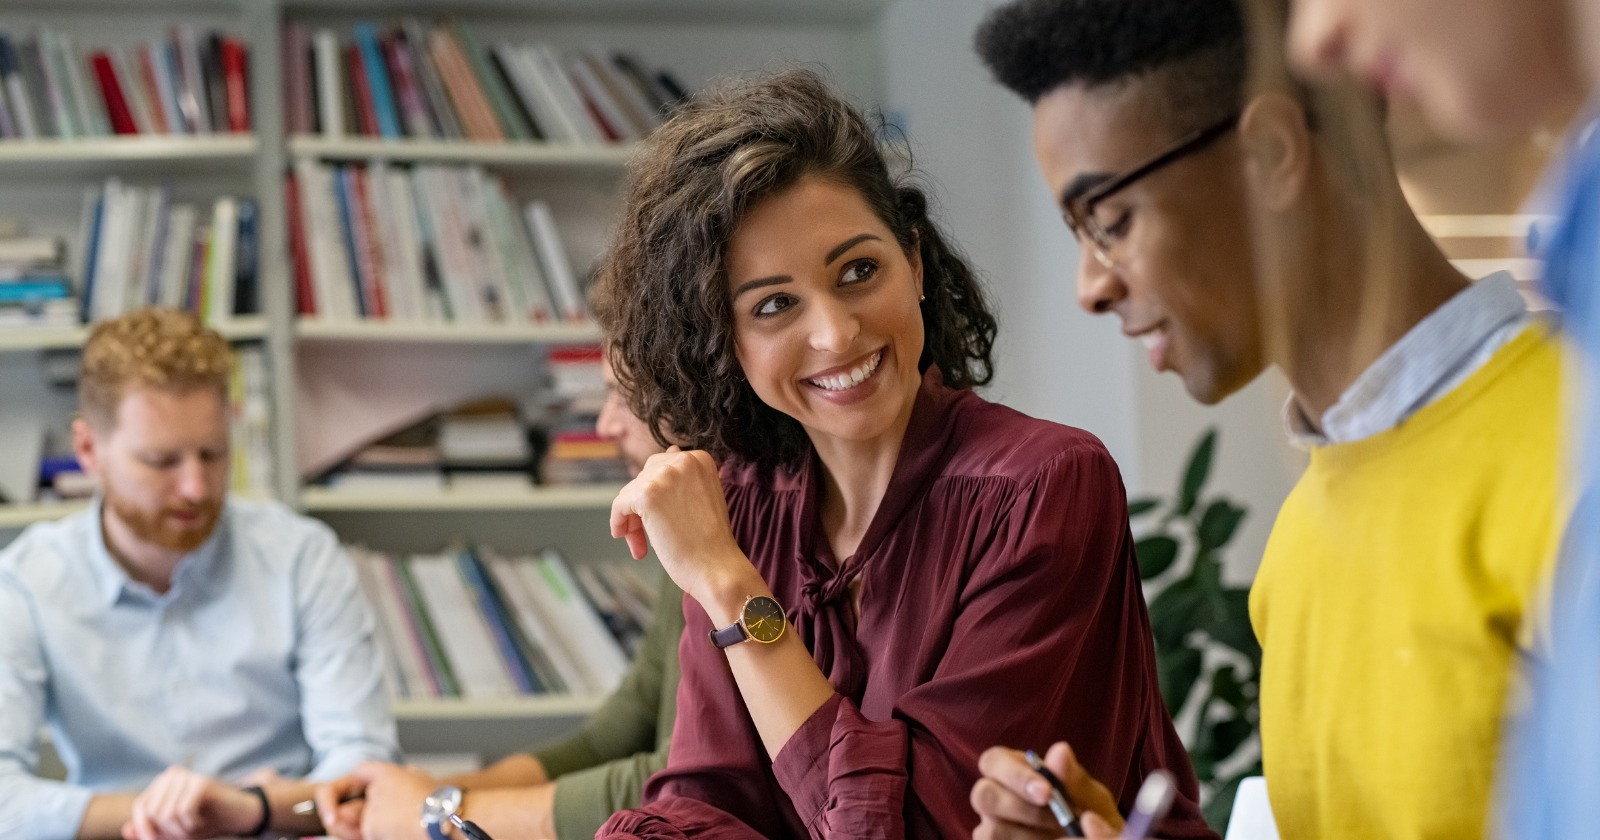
{"points": [[85, 447], [1278, 151]]}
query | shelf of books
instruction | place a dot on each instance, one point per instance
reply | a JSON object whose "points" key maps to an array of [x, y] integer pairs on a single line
{"points": [[524, 154], [242, 328], [576, 497], [314, 330]]}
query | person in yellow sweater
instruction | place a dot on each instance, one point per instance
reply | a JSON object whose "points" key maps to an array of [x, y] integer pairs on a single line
{"points": [[1234, 221]]}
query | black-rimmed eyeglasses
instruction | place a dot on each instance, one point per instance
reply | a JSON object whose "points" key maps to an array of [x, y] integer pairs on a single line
{"points": [[1079, 209]]}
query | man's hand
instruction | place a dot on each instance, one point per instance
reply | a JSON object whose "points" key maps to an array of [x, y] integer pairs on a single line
{"points": [[181, 804], [392, 809], [1011, 799]]}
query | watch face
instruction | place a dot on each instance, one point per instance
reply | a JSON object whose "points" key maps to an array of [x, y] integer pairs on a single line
{"points": [[763, 619], [440, 804]]}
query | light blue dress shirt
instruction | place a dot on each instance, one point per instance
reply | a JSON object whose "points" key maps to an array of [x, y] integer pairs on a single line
{"points": [[261, 654], [1437, 354], [1552, 766]]}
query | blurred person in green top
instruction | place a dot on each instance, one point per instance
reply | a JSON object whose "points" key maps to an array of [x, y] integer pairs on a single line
{"points": [[564, 791]]}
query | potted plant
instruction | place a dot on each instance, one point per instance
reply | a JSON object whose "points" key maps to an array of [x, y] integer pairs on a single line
{"points": [[1206, 652]]}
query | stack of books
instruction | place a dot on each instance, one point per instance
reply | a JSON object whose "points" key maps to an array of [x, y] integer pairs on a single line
{"points": [[473, 624], [427, 243], [577, 453], [481, 446], [439, 82], [35, 289], [188, 83], [143, 248]]}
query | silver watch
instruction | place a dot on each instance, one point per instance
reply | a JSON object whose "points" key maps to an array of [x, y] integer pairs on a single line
{"points": [[437, 809]]}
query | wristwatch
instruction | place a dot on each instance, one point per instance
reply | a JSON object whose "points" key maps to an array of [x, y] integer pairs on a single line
{"points": [[761, 620], [436, 811]]}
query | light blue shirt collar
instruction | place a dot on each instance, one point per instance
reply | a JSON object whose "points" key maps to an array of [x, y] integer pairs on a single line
{"points": [[116, 584], [1429, 361]]}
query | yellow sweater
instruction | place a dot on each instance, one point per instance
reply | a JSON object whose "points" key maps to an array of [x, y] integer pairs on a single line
{"points": [[1390, 602]]}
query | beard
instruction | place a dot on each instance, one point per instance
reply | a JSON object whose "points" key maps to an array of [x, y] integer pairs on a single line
{"points": [[155, 528]]}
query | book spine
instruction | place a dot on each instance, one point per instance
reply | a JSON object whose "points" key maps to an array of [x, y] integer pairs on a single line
{"points": [[501, 626], [298, 114], [407, 92], [330, 111], [91, 254], [91, 109], [178, 248], [150, 76], [378, 88], [547, 64], [347, 225], [513, 95], [213, 82], [133, 91], [166, 66], [33, 74], [17, 91], [305, 298], [116, 103], [477, 117], [246, 262], [370, 255], [541, 107], [553, 257], [54, 70], [218, 300], [193, 102], [437, 663], [445, 119], [360, 92], [599, 96], [497, 97], [235, 67]]}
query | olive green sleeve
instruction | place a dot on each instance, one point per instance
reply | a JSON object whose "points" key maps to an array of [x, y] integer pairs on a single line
{"points": [[603, 768]]}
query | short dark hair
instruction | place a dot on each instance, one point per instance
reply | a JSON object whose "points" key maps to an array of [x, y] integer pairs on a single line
{"points": [[661, 293], [1196, 48]]}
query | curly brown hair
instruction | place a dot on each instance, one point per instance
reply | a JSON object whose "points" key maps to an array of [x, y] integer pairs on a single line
{"points": [[165, 349], [662, 291]]}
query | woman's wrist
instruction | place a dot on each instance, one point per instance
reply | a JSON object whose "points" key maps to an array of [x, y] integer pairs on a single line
{"points": [[725, 594]]}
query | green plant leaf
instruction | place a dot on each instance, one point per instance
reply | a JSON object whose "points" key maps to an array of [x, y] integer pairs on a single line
{"points": [[1228, 735], [1194, 476], [1156, 554], [1233, 628], [1175, 613], [1140, 507], [1177, 669], [1218, 524], [1225, 686]]}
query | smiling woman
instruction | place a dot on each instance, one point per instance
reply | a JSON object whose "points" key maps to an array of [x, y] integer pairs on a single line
{"points": [[786, 306]]}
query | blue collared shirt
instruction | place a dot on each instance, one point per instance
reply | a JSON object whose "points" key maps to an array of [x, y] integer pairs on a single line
{"points": [[260, 654], [1552, 764], [1429, 361]]}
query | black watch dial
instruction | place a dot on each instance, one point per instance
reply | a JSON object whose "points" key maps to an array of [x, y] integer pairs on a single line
{"points": [[763, 619]]}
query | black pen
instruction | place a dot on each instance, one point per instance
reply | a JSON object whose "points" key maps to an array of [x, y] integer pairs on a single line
{"points": [[309, 806], [1060, 803]]}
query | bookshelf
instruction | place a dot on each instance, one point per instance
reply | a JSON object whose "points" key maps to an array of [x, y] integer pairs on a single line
{"points": [[699, 39]]}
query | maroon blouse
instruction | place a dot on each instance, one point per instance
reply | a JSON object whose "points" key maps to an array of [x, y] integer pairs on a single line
{"points": [[1000, 604]]}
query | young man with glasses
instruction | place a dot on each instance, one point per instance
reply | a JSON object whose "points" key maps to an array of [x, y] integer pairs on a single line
{"points": [[1234, 221]]}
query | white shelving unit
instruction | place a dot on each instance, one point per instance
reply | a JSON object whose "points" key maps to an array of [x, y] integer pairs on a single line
{"points": [[699, 39], [313, 331], [499, 155]]}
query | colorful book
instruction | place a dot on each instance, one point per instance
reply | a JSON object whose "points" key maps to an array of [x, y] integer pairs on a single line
{"points": [[235, 67], [366, 111], [498, 97], [117, 107], [440, 108], [298, 98], [502, 627], [477, 117], [305, 296], [407, 87], [438, 664], [380, 92]]}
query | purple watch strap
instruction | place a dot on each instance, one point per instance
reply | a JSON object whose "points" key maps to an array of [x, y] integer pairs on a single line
{"points": [[728, 636]]}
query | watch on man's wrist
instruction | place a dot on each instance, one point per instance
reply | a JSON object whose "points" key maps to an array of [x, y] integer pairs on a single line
{"points": [[436, 811], [760, 620]]}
